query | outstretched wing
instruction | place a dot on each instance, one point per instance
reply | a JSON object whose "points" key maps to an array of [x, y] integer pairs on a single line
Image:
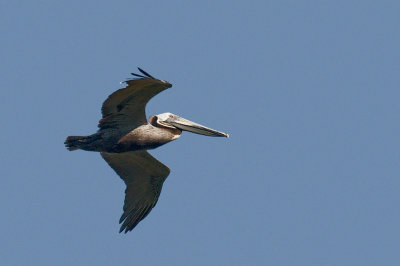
{"points": [[124, 110], [144, 176]]}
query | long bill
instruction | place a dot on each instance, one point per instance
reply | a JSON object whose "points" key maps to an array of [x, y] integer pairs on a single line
{"points": [[193, 127]]}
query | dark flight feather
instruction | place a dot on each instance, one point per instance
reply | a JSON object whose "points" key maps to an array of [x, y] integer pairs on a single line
{"points": [[145, 73]]}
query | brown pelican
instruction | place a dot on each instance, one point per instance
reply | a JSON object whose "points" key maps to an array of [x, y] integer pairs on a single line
{"points": [[124, 136]]}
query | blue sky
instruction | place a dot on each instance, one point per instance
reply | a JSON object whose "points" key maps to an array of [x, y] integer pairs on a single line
{"points": [[308, 90]]}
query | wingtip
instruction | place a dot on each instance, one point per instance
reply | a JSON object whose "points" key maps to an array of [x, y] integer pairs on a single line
{"points": [[145, 73], [166, 83], [137, 75], [123, 228]]}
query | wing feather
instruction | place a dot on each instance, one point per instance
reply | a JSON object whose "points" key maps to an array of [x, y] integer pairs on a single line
{"points": [[144, 176], [124, 110]]}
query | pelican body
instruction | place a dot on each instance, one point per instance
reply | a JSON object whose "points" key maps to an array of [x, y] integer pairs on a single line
{"points": [[124, 136]]}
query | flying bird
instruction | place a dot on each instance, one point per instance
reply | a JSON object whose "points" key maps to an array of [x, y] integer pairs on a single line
{"points": [[125, 135]]}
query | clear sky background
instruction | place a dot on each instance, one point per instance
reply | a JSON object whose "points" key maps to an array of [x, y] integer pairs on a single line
{"points": [[308, 90]]}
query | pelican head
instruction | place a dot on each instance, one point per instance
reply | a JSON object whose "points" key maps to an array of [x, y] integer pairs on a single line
{"points": [[169, 120]]}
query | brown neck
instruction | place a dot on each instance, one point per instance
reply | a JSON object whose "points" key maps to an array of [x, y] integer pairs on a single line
{"points": [[153, 121]]}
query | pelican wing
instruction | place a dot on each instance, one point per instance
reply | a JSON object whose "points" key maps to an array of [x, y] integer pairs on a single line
{"points": [[124, 110], [144, 176]]}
